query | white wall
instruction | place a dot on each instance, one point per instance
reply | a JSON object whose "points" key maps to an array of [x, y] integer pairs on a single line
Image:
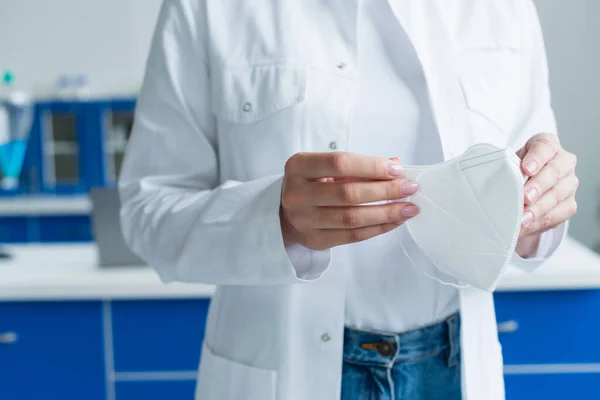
{"points": [[105, 39], [572, 31]]}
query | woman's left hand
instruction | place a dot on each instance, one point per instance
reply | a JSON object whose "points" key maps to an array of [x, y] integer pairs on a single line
{"points": [[550, 190]]}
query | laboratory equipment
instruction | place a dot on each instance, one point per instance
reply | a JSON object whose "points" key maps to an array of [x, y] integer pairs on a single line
{"points": [[16, 116]]}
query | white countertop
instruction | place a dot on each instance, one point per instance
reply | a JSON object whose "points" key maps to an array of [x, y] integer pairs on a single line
{"points": [[70, 272], [573, 266], [45, 205]]}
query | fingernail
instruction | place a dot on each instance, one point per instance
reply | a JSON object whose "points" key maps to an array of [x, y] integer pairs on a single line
{"points": [[395, 169], [409, 188], [531, 194], [410, 211], [531, 166], [527, 218]]}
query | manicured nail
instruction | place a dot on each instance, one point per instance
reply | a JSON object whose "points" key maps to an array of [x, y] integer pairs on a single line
{"points": [[527, 218], [531, 194], [395, 169], [531, 166], [409, 188], [410, 211]]}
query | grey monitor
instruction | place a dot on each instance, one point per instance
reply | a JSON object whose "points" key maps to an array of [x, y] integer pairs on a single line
{"points": [[112, 249]]}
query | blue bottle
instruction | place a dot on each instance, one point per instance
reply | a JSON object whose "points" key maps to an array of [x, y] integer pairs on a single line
{"points": [[16, 116]]}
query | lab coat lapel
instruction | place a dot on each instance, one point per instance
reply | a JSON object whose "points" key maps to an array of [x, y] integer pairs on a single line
{"points": [[421, 20], [426, 29]]}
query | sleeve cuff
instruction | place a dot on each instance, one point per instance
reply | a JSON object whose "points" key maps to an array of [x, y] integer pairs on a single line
{"points": [[550, 241], [308, 264], [305, 264]]}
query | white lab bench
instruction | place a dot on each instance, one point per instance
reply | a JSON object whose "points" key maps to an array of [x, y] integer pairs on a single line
{"points": [[70, 272], [120, 333]]}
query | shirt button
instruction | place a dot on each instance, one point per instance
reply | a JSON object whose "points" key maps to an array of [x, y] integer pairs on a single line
{"points": [[333, 145], [247, 107], [325, 337], [341, 65]]}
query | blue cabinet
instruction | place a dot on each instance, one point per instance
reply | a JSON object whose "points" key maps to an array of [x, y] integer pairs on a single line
{"points": [[14, 229], [548, 343], [127, 350], [156, 390], [150, 349], [165, 335], [550, 327], [75, 145], [45, 229], [61, 229], [553, 387], [53, 351], [60, 140], [156, 347], [110, 125]]}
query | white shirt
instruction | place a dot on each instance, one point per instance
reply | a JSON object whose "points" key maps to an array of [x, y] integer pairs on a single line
{"points": [[385, 292]]}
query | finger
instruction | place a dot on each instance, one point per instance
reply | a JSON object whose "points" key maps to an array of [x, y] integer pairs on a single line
{"points": [[362, 216], [355, 193], [561, 166], [339, 165], [559, 214], [557, 194], [542, 149], [325, 239]]}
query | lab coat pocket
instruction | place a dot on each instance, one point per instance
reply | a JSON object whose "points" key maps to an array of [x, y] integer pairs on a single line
{"points": [[250, 93], [491, 83], [224, 379]]}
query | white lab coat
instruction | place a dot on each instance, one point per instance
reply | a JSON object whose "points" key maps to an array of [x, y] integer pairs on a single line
{"points": [[232, 90]]}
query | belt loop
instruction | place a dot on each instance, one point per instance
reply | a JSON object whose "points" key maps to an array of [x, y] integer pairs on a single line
{"points": [[454, 339]]}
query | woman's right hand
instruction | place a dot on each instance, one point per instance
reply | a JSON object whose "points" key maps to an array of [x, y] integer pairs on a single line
{"points": [[322, 203]]}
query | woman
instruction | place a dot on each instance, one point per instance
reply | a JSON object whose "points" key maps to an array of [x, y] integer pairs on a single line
{"points": [[261, 129]]}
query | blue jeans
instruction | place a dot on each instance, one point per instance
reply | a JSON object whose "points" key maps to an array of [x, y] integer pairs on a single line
{"points": [[423, 364]]}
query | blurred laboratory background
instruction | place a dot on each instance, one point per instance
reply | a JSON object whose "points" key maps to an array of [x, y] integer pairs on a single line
{"points": [[82, 319]]}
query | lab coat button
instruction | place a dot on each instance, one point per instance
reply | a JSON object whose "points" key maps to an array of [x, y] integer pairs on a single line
{"points": [[325, 337], [333, 145], [341, 65], [247, 107]]}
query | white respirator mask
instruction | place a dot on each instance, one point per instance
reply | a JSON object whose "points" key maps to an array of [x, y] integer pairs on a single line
{"points": [[471, 209]]}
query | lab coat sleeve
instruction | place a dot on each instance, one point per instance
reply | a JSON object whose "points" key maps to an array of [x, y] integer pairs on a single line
{"points": [[550, 241], [175, 212], [537, 117]]}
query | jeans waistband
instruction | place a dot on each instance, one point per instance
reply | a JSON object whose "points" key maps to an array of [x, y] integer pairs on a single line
{"points": [[385, 349]]}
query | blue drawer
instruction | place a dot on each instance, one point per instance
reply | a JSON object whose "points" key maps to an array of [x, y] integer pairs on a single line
{"points": [[57, 229], [163, 335], [549, 327], [159, 390], [56, 351], [553, 387], [14, 229]]}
